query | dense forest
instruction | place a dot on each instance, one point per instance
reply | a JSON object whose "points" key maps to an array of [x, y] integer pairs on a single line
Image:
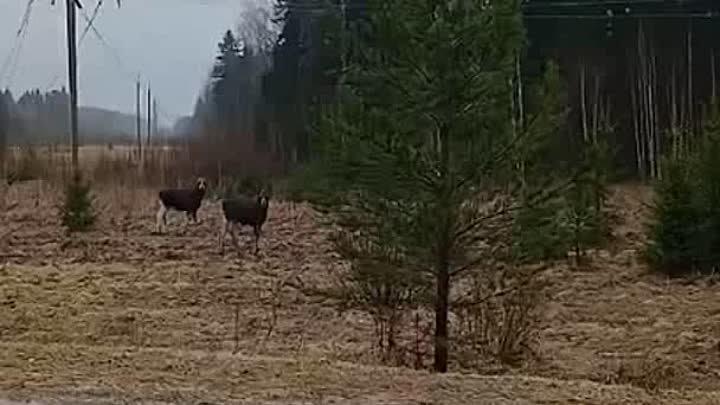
{"points": [[637, 74]]}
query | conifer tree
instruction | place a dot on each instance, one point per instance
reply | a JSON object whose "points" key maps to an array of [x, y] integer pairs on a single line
{"points": [[423, 136]]}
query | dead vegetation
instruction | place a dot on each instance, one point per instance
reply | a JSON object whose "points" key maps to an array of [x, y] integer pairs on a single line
{"points": [[117, 312]]}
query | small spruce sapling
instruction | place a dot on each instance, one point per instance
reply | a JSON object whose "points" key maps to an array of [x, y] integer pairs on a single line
{"points": [[77, 212]]}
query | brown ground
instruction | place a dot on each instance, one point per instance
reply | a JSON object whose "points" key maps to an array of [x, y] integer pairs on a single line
{"points": [[122, 314]]}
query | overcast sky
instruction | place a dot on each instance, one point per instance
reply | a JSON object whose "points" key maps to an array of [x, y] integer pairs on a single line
{"points": [[171, 43]]}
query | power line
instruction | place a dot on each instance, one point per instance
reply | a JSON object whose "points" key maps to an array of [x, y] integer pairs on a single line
{"points": [[14, 54], [22, 32], [26, 17], [708, 15], [56, 77], [592, 3], [90, 23], [106, 45], [109, 48]]}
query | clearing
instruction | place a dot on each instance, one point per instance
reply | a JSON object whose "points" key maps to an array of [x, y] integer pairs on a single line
{"points": [[119, 314]]}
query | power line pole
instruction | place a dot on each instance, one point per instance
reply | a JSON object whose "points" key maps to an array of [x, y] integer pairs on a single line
{"points": [[72, 79], [155, 118], [149, 117], [137, 119]]}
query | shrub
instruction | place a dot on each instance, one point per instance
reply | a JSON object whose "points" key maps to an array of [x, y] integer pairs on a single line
{"points": [[676, 221], [77, 213], [539, 233], [685, 230], [387, 294], [706, 238], [500, 319], [585, 215]]}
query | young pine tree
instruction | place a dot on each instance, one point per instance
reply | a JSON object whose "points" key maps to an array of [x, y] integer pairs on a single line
{"points": [[676, 221], [539, 232], [685, 231], [708, 194], [77, 213], [586, 216], [426, 136]]}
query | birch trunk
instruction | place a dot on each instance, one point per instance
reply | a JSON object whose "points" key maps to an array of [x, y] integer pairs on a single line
{"points": [[642, 116], [672, 101], [712, 76], [583, 106], [653, 109], [636, 126], [521, 111], [596, 106], [690, 104]]}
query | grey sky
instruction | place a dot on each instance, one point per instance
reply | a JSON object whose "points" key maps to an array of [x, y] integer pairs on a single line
{"points": [[171, 43]]}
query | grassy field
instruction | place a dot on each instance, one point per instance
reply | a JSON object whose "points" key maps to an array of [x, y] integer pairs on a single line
{"points": [[119, 314], [109, 163]]}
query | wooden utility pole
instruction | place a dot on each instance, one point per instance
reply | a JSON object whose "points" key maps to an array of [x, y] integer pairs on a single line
{"points": [[137, 119], [149, 117], [72, 79], [155, 118]]}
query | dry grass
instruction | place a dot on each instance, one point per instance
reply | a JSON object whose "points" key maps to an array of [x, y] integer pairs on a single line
{"points": [[119, 313], [114, 164]]}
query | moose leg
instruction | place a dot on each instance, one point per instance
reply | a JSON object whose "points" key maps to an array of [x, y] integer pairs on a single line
{"points": [[256, 231], [160, 218], [233, 228], [226, 226]]}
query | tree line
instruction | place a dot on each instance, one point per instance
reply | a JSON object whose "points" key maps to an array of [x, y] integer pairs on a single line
{"points": [[41, 118], [643, 85], [35, 116]]}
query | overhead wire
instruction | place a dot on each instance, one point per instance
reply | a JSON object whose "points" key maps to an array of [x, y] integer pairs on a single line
{"points": [[556, 9], [14, 54], [56, 77], [90, 22], [709, 15], [92, 26], [592, 3]]}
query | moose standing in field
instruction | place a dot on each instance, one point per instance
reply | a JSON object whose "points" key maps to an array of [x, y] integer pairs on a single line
{"points": [[183, 200], [244, 211]]}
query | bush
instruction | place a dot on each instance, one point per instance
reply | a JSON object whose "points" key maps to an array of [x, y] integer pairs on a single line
{"points": [[676, 226], [539, 233], [304, 184], [501, 328], [707, 201], [25, 167], [576, 221], [77, 213], [387, 294], [685, 230]]}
